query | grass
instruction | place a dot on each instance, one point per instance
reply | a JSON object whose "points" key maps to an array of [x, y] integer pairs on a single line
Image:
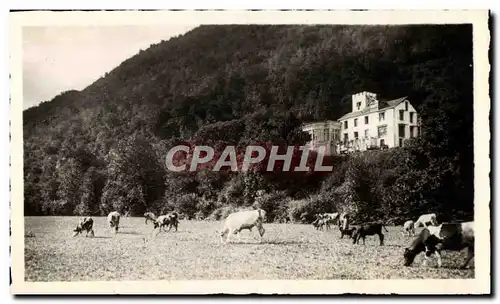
{"points": [[289, 251]]}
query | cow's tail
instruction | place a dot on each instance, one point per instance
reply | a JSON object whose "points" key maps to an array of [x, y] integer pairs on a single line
{"points": [[383, 225]]}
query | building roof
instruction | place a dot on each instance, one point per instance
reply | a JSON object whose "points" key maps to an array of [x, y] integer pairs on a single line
{"points": [[322, 124], [382, 105]]}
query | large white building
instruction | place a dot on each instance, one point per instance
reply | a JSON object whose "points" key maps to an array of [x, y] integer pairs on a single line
{"points": [[372, 124]]}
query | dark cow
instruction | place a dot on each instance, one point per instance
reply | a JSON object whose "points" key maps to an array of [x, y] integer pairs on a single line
{"points": [[149, 216], [370, 228], [350, 231], [85, 224], [447, 236]]}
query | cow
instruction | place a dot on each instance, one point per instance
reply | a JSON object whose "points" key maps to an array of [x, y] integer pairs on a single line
{"points": [[350, 231], [149, 216], [426, 220], [114, 220], [370, 228], [85, 224], [170, 220], [319, 223], [408, 228], [447, 236], [344, 221], [240, 220], [162, 221]]}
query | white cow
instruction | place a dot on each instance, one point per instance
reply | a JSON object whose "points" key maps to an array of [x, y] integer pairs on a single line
{"points": [[426, 220], [114, 220], [240, 220], [408, 228], [344, 221]]}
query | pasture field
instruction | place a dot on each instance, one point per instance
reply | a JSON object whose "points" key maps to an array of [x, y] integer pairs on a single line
{"points": [[288, 251]]}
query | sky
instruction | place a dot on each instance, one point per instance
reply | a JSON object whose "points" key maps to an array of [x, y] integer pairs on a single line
{"points": [[61, 58]]}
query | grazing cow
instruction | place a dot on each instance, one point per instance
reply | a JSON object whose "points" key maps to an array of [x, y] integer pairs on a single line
{"points": [[350, 231], [320, 223], [240, 220], [447, 236], [426, 220], [370, 228], [85, 224], [344, 221], [162, 221], [149, 216], [409, 228], [114, 220], [332, 217]]}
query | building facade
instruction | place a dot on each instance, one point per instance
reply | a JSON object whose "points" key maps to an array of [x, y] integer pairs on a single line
{"points": [[371, 124], [325, 133]]}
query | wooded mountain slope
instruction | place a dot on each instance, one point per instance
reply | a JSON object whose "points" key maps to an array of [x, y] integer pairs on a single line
{"points": [[246, 83]]}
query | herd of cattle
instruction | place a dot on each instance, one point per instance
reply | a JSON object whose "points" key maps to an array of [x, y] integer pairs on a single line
{"points": [[433, 239]]}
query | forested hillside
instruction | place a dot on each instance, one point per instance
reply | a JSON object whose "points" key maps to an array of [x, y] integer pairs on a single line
{"points": [[103, 148]]}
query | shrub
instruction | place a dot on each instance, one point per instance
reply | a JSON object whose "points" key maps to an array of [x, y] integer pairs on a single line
{"points": [[275, 205], [186, 204]]}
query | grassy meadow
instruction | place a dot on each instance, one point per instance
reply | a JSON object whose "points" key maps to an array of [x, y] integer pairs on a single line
{"points": [[194, 252]]}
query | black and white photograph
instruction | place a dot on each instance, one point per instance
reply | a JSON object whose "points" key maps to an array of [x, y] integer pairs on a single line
{"points": [[306, 152]]}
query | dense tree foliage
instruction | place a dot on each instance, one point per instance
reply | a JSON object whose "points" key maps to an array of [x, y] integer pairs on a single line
{"points": [[103, 148]]}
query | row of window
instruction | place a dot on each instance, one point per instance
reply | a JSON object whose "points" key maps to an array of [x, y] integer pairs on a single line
{"points": [[381, 117], [382, 131], [326, 135]]}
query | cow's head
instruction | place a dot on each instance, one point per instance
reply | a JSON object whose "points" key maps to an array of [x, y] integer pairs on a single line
{"points": [[409, 256], [77, 230], [262, 215]]}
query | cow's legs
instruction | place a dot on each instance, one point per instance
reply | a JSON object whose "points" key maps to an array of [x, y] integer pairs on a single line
{"points": [[261, 231], [438, 257], [228, 235], [470, 255], [426, 260], [381, 237]]}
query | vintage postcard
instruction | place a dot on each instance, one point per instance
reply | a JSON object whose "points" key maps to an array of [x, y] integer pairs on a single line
{"points": [[237, 152]]}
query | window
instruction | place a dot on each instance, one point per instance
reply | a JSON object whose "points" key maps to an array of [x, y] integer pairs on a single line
{"points": [[381, 116], [411, 117], [346, 137], [366, 133], [345, 124], [401, 114], [355, 135], [326, 135], [382, 131], [358, 105], [406, 105], [366, 120], [400, 142], [412, 131], [401, 131], [382, 142], [355, 122]]}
